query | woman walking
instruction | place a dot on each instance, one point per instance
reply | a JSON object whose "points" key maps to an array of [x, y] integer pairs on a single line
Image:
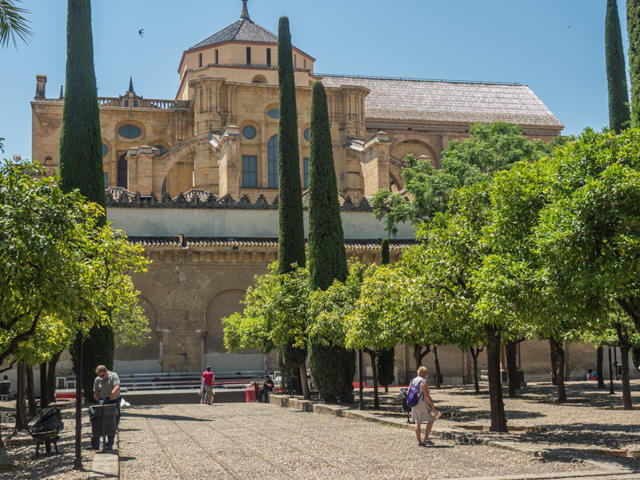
{"points": [[424, 411]]}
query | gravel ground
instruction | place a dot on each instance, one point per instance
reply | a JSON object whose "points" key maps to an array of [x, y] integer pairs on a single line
{"points": [[250, 440], [47, 466], [588, 422]]}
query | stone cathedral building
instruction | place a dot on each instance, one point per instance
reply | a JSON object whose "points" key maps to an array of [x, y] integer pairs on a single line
{"points": [[194, 178]]}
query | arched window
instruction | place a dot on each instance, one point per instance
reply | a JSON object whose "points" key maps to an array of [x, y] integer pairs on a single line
{"points": [[123, 171], [273, 161]]}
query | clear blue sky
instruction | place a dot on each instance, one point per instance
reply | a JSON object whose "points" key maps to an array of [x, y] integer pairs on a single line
{"points": [[554, 46]]}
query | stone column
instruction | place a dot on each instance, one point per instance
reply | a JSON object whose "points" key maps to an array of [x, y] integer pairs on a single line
{"points": [[374, 160], [161, 335], [207, 104], [230, 161], [140, 168]]}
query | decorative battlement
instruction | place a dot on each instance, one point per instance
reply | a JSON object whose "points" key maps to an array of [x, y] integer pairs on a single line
{"points": [[118, 197]]}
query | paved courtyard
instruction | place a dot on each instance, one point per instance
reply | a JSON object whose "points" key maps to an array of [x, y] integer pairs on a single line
{"points": [[257, 440], [580, 439]]}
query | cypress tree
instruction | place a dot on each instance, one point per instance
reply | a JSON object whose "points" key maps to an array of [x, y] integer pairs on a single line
{"points": [[80, 138], [291, 221], [327, 254], [385, 365], [81, 154], [333, 366], [616, 74], [291, 248], [633, 29], [384, 252], [385, 359]]}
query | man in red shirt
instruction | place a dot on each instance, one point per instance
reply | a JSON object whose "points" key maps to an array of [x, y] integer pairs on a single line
{"points": [[208, 378]]}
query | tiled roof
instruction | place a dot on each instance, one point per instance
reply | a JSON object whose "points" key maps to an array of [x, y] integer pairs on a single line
{"points": [[254, 242], [155, 241], [442, 101], [244, 30]]}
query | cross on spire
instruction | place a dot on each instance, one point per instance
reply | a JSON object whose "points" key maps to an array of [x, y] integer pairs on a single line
{"points": [[245, 11]]}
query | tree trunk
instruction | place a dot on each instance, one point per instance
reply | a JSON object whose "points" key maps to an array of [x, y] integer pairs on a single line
{"points": [[623, 340], [632, 307], [600, 368], [626, 387], [372, 357], [43, 386], [31, 392], [512, 369], [51, 378], [498, 418], [303, 381], [418, 354], [21, 399], [475, 352], [554, 363], [437, 362], [562, 393]]}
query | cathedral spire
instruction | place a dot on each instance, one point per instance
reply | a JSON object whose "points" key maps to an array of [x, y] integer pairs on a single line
{"points": [[245, 11], [130, 85]]}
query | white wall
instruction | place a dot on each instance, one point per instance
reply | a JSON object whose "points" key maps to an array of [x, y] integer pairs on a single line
{"points": [[196, 222]]}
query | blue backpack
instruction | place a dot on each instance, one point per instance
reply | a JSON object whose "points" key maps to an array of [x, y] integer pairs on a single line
{"points": [[413, 395]]}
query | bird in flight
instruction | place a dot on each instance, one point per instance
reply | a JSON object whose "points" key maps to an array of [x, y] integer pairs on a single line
{"points": [[141, 32]]}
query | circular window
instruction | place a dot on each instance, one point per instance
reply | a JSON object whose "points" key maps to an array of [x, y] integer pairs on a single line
{"points": [[275, 113], [306, 134], [105, 150], [129, 131], [249, 132]]}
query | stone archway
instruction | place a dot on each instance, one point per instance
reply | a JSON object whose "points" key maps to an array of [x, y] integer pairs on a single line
{"points": [[223, 305], [414, 147], [145, 359]]}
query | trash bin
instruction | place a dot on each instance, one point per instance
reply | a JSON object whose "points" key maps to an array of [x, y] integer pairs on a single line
{"points": [[251, 392], [104, 420]]}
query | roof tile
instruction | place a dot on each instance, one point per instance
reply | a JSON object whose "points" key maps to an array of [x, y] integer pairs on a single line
{"points": [[243, 30], [442, 101]]}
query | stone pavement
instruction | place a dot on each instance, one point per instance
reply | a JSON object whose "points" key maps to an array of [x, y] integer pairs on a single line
{"points": [[254, 440]]}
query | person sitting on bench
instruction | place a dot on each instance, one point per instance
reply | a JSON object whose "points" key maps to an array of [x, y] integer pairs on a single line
{"points": [[267, 386]]}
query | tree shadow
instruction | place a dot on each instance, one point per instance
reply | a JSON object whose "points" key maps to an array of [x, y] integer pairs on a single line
{"points": [[161, 416], [596, 435]]}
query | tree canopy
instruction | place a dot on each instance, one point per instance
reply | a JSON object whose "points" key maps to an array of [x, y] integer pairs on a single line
{"points": [[490, 148], [58, 265]]}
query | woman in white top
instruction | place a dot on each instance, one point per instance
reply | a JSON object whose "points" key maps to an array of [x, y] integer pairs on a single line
{"points": [[424, 411]]}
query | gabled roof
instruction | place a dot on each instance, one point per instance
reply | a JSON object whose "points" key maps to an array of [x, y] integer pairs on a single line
{"points": [[452, 102], [244, 30]]}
